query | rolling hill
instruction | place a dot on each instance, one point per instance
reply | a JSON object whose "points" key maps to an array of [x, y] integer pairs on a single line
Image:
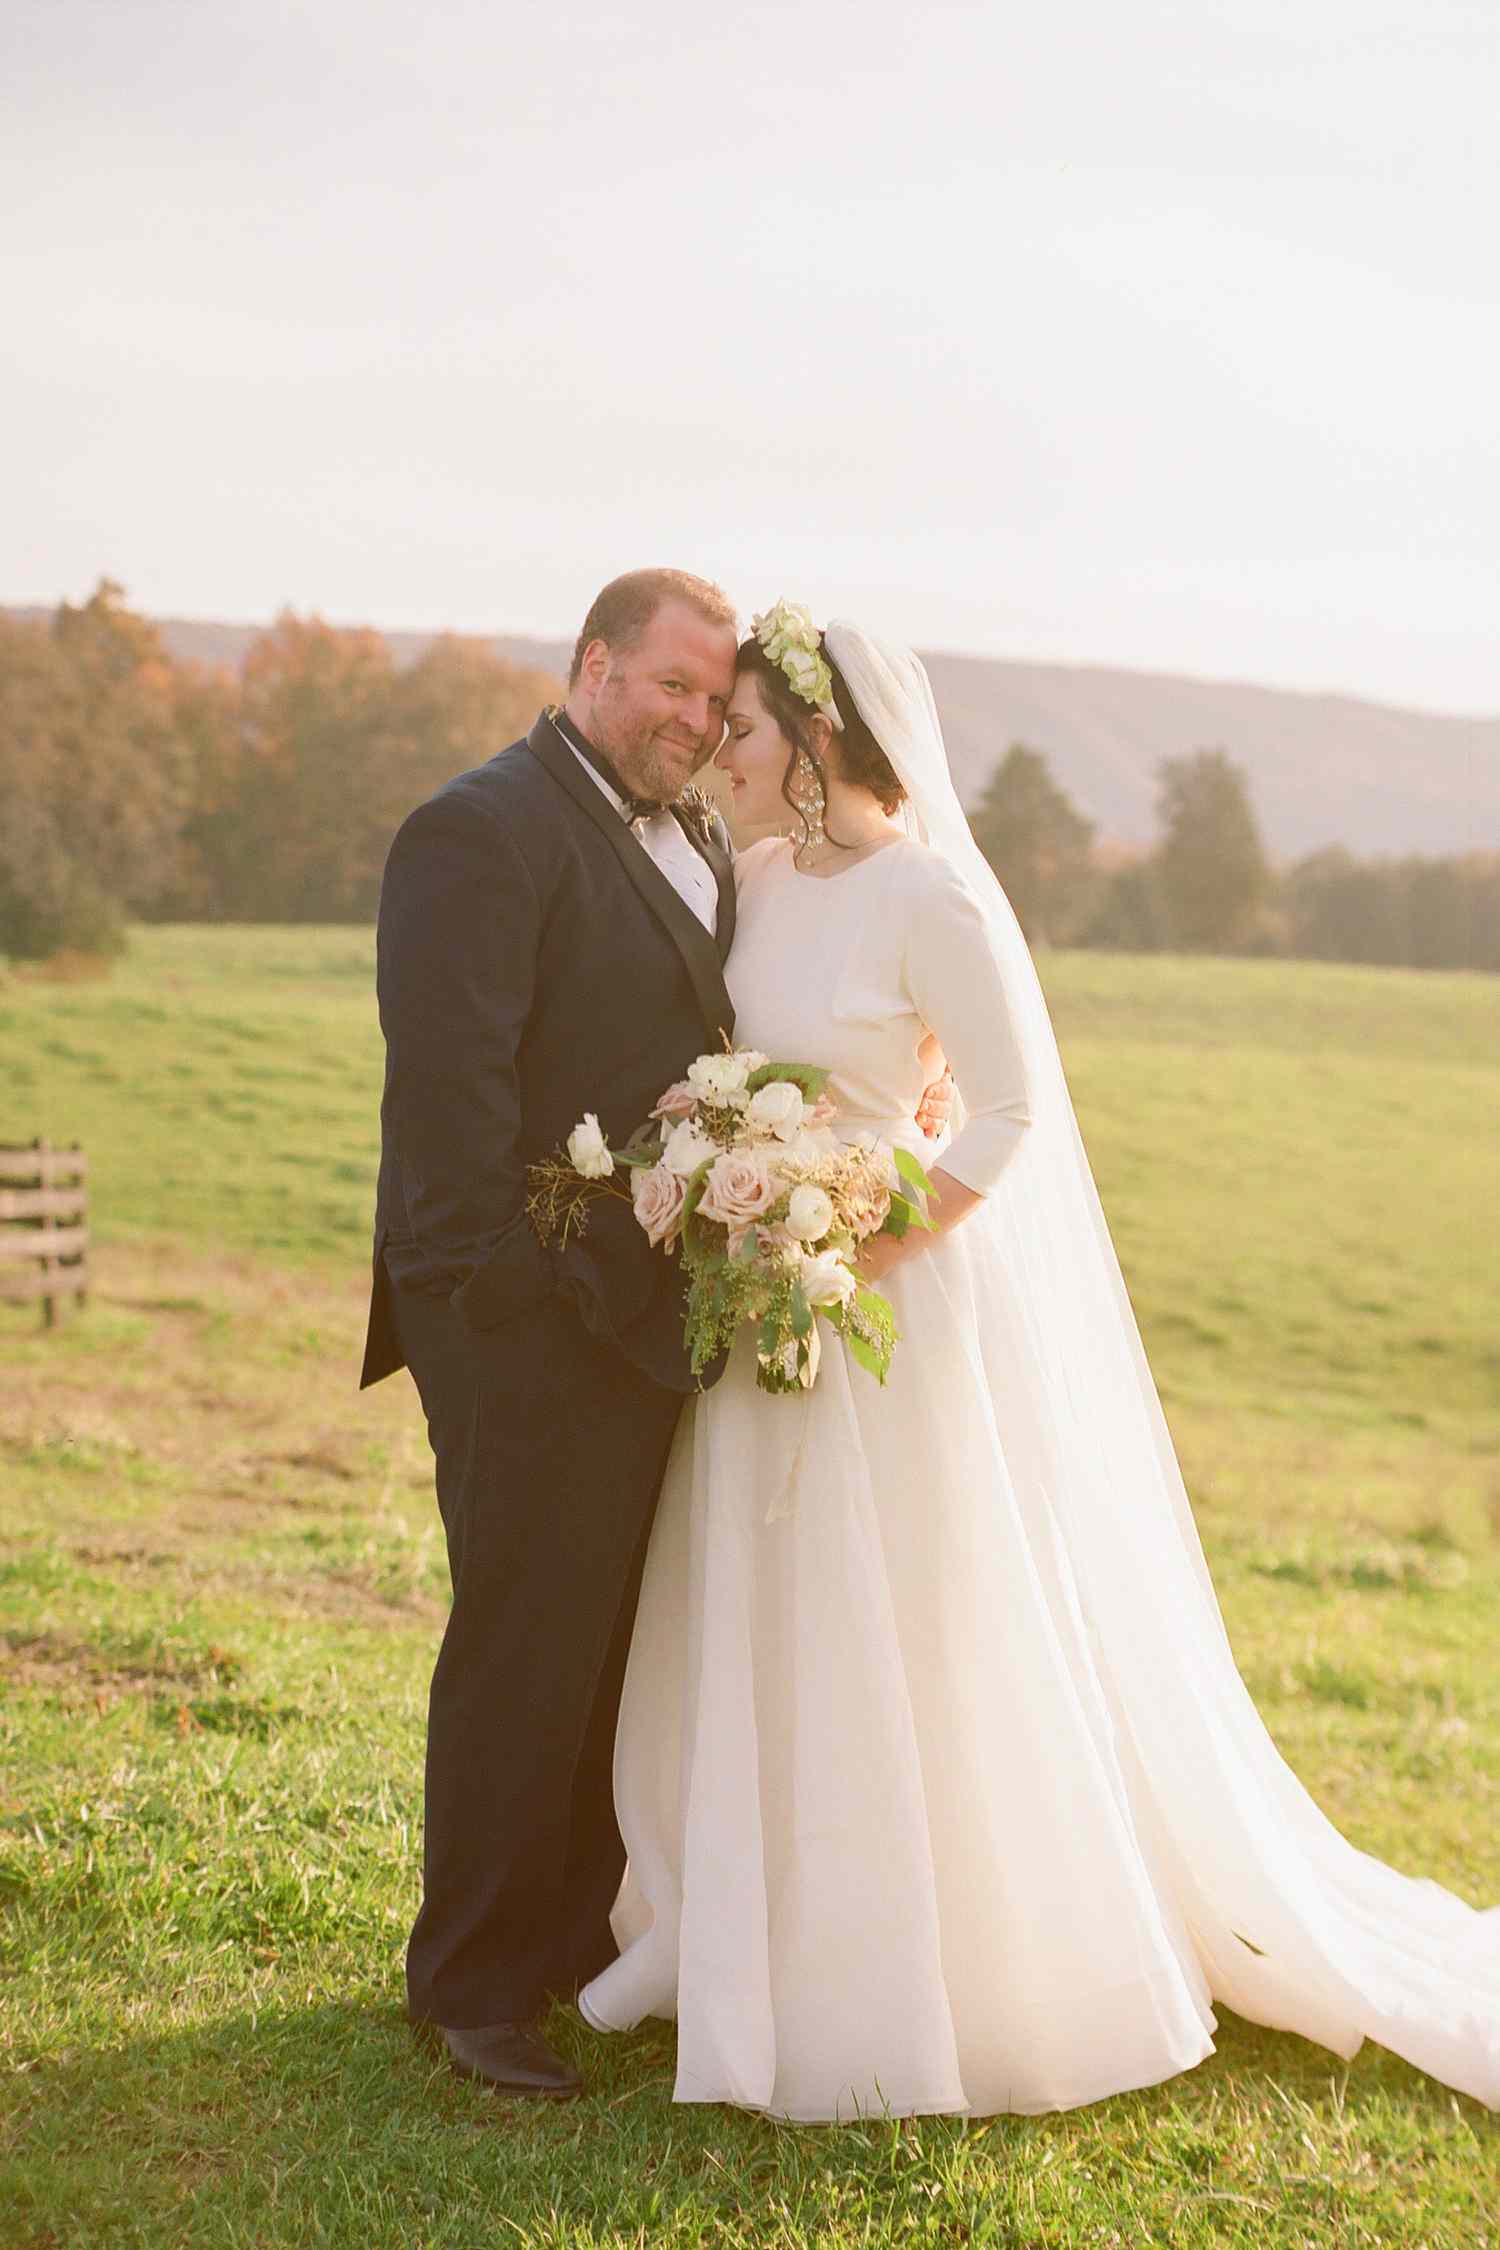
{"points": [[1324, 769]]}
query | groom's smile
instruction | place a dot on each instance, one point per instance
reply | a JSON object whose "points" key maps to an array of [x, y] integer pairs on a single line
{"points": [[654, 706]]}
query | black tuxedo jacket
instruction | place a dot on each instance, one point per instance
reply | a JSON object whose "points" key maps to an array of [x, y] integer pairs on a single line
{"points": [[533, 963]]}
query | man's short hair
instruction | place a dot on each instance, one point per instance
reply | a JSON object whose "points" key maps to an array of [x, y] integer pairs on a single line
{"points": [[620, 614]]}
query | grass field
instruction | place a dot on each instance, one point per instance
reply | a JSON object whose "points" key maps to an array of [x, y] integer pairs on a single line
{"points": [[221, 1586]]}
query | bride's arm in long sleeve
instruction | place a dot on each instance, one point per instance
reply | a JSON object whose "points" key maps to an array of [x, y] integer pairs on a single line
{"points": [[955, 982]]}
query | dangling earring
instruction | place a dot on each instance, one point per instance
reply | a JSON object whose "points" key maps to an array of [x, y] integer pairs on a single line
{"points": [[810, 802]]}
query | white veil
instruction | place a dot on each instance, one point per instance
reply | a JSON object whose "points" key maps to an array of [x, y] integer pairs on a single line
{"points": [[1294, 1927]]}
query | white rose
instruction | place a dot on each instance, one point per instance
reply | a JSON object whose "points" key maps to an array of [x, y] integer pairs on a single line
{"points": [[778, 1108], [809, 1213], [826, 1280], [686, 1148], [718, 1078], [589, 1151]]}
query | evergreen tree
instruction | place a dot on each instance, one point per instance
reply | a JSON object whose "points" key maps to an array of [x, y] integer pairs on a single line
{"points": [[1039, 845], [1214, 875]]}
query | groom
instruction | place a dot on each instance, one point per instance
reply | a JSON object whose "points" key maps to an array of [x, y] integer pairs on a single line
{"points": [[552, 936]]}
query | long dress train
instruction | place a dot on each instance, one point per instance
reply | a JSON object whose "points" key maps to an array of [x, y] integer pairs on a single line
{"points": [[933, 1804]]}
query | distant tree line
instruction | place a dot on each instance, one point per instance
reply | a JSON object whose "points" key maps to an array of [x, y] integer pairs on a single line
{"points": [[1208, 886], [131, 785], [135, 786]]}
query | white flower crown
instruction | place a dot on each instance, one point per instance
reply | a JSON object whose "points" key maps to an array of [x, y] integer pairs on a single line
{"points": [[792, 643]]}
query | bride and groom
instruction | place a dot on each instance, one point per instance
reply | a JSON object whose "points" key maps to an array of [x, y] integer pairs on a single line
{"points": [[930, 1785]]}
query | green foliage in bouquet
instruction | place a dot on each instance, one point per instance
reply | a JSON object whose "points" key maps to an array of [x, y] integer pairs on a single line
{"points": [[726, 1292], [807, 1076], [768, 1249], [908, 1211], [868, 1326]]}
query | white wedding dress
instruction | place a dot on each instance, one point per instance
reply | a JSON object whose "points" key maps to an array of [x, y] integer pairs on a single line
{"points": [[940, 1790]]}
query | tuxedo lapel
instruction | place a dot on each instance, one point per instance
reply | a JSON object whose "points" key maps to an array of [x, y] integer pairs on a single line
{"points": [[701, 953], [721, 866]]}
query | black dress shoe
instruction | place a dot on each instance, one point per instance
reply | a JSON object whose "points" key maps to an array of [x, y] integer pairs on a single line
{"points": [[510, 2057]]}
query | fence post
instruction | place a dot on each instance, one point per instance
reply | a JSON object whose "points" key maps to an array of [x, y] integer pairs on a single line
{"points": [[82, 1294], [49, 1304]]}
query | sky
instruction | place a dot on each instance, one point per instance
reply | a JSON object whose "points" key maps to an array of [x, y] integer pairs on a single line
{"points": [[1163, 335]]}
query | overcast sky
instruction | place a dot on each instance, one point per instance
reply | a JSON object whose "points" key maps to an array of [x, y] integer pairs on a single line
{"points": [[1164, 335]]}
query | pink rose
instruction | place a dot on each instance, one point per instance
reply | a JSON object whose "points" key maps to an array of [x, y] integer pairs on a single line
{"points": [[658, 1196], [823, 1112], [738, 1191], [678, 1101]]}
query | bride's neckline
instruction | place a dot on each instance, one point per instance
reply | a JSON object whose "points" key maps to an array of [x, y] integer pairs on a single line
{"points": [[807, 875]]}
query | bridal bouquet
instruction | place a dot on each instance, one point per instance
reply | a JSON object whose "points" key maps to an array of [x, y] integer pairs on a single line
{"points": [[738, 1169]]}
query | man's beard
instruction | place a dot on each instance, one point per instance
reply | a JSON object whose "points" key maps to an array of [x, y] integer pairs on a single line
{"points": [[639, 759]]}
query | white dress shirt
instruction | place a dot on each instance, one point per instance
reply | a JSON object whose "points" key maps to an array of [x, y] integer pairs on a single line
{"points": [[685, 868]]}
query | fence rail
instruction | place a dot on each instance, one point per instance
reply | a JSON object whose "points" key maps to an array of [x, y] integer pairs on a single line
{"points": [[44, 1237], [41, 1165], [43, 1203]]}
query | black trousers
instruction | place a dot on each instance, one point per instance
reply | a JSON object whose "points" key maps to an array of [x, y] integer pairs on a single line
{"points": [[550, 1452]]}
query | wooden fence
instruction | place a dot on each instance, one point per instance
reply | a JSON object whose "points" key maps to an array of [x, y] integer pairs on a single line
{"points": [[44, 1236]]}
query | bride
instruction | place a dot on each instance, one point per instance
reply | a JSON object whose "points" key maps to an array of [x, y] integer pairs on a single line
{"points": [[940, 1788]]}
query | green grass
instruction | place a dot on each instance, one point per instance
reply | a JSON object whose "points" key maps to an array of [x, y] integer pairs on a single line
{"points": [[226, 1083], [221, 1583]]}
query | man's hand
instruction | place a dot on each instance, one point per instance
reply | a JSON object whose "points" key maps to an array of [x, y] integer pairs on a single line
{"points": [[936, 1105], [879, 1254]]}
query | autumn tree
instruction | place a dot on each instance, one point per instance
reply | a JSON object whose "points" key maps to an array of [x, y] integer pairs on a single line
{"points": [[127, 768], [453, 709], [1038, 843], [308, 809], [213, 874], [93, 775], [47, 900], [307, 767]]}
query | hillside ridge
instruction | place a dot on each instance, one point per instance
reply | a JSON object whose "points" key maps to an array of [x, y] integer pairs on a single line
{"points": [[1324, 767]]}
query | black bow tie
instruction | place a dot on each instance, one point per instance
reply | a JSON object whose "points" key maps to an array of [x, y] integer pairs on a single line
{"points": [[634, 808], [640, 808]]}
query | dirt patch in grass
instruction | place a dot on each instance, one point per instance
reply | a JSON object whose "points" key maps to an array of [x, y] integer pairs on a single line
{"points": [[124, 1663], [259, 1378], [190, 1442]]}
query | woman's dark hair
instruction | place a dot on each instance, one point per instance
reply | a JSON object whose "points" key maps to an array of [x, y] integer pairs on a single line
{"points": [[861, 759]]}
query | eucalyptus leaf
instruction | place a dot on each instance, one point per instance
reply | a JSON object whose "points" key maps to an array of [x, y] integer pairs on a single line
{"points": [[912, 1172]]}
